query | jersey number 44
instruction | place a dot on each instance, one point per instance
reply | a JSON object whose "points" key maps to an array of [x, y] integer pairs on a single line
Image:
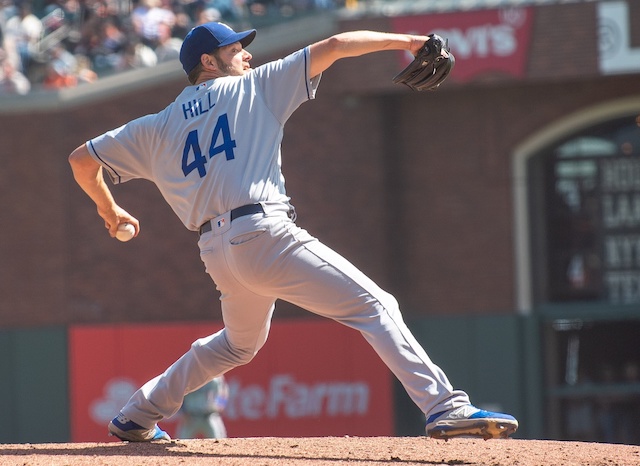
{"points": [[192, 157]]}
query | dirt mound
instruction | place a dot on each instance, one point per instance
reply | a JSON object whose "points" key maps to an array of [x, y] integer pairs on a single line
{"points": [[325, 451]]}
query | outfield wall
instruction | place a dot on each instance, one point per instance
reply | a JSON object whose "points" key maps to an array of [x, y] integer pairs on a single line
{"points": [[313, 378]]}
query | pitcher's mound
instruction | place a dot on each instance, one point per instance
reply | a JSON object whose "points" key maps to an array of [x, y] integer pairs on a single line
{"points": [[325, 451]]}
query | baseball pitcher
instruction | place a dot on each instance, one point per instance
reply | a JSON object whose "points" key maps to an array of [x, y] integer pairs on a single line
{"points": [[214, 153]]}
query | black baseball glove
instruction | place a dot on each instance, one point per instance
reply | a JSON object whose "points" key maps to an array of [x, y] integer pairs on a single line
{"points": [[430, 67]]}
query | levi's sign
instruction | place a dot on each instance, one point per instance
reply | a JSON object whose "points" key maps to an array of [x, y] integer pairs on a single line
{"points": [[486, 43]]}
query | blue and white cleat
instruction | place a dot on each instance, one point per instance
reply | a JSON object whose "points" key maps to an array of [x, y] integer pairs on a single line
{"points": [[128, 431], [469, 421]]}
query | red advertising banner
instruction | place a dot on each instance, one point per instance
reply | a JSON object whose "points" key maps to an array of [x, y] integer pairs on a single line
{"points": [[484, 42], [312, 378]]}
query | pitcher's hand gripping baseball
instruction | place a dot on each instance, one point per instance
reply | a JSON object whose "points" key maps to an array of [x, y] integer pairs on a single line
{"points": [[431, 66]]}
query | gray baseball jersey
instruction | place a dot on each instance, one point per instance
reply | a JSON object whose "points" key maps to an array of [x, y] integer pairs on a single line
{"points": [[201, 152]]}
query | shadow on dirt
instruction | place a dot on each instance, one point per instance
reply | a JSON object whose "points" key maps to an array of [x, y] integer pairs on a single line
{"points": [[183, 449]]}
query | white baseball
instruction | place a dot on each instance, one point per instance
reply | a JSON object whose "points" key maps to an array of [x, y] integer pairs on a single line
{"points": [[125, 231]]}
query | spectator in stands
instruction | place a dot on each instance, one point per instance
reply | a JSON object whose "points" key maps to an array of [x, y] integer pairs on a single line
{"points": [[12, 81], [83, 70], [72, 9], [59, 55], [136, 55], [25, 30], [168, 47], [259, 7], [109, 37], [232, 11], [104, 45], [107, 9], [183, 23], [148, 17], [206, 14], [7, 10], [57, 77], [323, 4]]}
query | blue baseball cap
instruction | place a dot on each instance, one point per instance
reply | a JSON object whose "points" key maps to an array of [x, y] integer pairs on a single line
{"points": [[208, 37]]}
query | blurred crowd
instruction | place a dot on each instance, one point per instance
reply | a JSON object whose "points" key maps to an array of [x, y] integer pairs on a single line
{"points": [[52, 44]]}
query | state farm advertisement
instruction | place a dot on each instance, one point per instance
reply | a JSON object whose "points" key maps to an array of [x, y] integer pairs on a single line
{"points": [[312, 378], [485, 43]]}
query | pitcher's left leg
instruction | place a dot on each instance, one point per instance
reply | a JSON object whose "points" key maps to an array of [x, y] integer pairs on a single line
{"points": [[329, 285], [325, 283]]}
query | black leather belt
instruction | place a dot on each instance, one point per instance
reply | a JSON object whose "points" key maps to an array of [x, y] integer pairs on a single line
{"points": [[235, 213]]}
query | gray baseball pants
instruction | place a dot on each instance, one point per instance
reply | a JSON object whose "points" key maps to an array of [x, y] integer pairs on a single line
{"points": [[259, 258]]}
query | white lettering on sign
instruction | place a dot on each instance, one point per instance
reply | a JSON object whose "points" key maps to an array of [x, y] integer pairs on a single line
{"points": [[117, 392], [622, 251], [481, 41], [620, 203], [288, 398], [621, 210], [487, 40], [624, 287], [620, 175], [614, 34]]}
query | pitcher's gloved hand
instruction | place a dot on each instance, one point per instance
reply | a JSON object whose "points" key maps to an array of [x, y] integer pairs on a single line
{"points": [[431, 66]]}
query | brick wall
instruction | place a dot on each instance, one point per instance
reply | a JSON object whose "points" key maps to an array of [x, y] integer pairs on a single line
{"points": [[414, 188]]}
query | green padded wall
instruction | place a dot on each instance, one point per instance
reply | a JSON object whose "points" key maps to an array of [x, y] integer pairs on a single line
{"points": [[493, 358], [33, 391]]}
